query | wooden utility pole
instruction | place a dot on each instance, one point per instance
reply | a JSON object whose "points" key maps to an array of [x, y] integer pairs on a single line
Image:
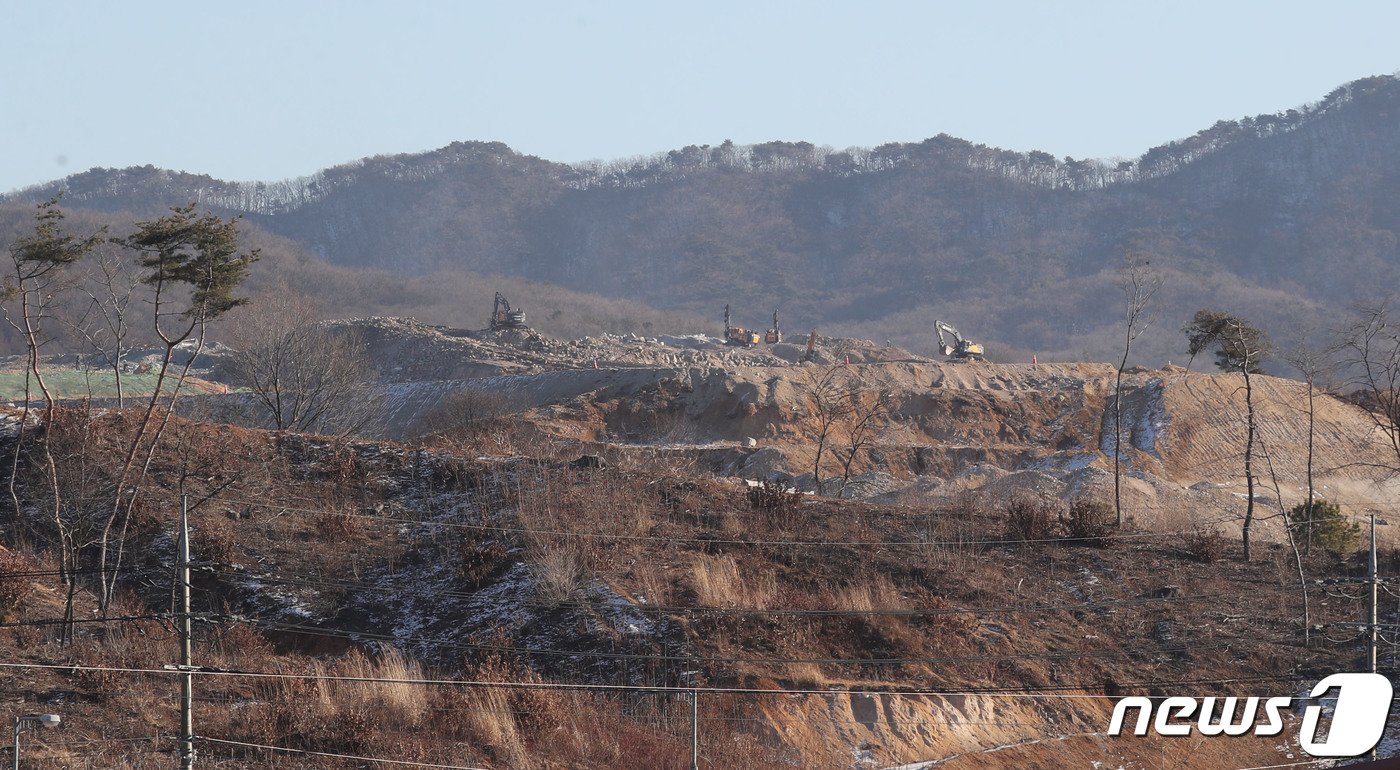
{"points": [[186, 663]]}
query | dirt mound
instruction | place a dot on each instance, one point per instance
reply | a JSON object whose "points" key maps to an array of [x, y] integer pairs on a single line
{"points": [[969, 425], [950, 427], [407, 350]]}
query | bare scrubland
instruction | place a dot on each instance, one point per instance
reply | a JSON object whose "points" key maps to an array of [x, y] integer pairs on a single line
{"points": [[474, 573]]}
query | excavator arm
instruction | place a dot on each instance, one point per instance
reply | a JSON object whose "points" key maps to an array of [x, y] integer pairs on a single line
{"points": [[961, 349], [503, 317]]}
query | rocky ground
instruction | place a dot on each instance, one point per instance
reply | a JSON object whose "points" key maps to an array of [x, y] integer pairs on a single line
{"points": [[950, 427]]}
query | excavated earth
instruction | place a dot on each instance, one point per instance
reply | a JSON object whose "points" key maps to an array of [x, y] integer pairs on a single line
{"points": [[952, 427]]}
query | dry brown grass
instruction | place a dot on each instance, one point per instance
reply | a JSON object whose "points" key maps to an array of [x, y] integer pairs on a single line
{"points": [[501, 727], [875, 594], [558, 569], [804, 674], [719, 582], [493, 724], [652, 582], [390, 697]]}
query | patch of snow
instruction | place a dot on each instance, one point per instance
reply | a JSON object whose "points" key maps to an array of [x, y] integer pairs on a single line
{"points": [[1152, 420]]}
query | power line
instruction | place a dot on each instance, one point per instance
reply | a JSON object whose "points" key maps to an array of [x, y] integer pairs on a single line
{"points": [[353, 635], [60, 621], [313, 581], [1054, 691], [57, 573], [660, 717], [1223, 518], [714, 541], [309, 753], [527, 652]]}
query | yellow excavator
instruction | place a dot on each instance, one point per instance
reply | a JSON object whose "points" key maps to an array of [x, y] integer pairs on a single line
{"points": [[961, 349]]}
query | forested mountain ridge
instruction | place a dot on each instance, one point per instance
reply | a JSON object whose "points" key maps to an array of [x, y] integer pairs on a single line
{"points": [[1283, 218]]}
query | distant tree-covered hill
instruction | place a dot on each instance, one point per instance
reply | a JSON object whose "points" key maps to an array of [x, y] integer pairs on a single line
{"points": [[1285, 219]]}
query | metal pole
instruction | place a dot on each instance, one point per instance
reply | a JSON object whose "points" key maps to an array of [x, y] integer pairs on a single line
{"points": [[1372, 566], [694, 730], [186, 681], [16, 753], [1374, 601]]}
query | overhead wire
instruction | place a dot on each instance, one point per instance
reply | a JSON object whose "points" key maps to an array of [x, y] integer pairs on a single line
{"points": [[358, 758], [686, 717], [351, 635], [313, 581], [714, 541], [61, 621], [1065, 691]]}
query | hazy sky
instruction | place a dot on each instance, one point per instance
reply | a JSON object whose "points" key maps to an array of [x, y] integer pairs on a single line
{"points": [[267, 90]]}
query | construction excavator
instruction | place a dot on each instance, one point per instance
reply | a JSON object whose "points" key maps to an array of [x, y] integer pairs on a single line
{"points": [[961, 349], [503, 317]]}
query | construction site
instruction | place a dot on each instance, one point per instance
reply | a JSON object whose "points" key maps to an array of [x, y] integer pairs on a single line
{"points": [[754, 550]]}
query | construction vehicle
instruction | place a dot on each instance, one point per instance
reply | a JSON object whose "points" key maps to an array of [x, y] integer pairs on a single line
{"points": [[961, 349], [741, 337], [738, 335], [774, 335], [503, 317]]}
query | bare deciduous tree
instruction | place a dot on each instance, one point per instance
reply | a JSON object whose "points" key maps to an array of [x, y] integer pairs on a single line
{"points": [[103, 320], [831, 405], [1369, 352], [1139, 284], [867, 414], [467, 414], [1288, 528], [1312, 364], [304, 376]]}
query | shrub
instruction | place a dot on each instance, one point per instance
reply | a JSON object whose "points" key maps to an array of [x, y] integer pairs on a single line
{"points": [[1205, 545], [478, 557], [15, 586], [1088, 522], [335, 522], [238, 644], [558, 570], [468, 414], [1324, 523], [215, 542], [775, 500], [1030, 518]]}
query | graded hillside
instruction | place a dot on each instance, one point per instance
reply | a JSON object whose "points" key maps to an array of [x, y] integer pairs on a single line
{"points": [[932, 429], [941, 428]]}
